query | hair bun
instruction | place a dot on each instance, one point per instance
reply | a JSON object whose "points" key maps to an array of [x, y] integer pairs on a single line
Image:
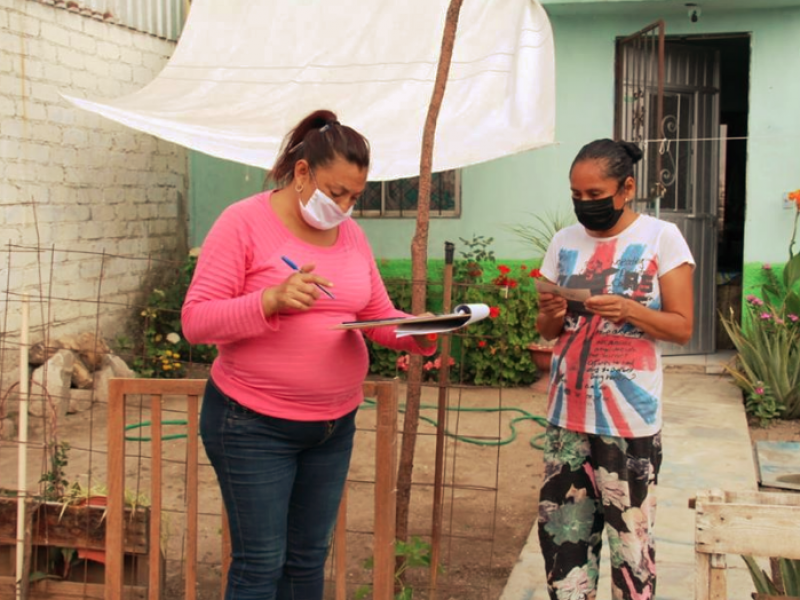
{"points": [[633, 150]]}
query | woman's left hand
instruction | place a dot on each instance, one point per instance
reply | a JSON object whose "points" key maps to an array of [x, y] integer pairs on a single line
{"points": [[426, 340], [615, 308]]}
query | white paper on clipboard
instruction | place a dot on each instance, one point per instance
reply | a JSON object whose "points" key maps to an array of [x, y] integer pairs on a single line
{"points": [[576, 294], [462, 315]]}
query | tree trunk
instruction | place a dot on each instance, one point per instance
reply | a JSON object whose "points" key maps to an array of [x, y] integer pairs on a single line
{"points": [[419, 268]]}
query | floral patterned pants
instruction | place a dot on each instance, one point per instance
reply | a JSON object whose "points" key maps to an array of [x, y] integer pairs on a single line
{"points": [[592, 482]]}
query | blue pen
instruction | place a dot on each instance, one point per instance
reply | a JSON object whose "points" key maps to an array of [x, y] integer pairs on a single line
{"points": [[296, 268]]}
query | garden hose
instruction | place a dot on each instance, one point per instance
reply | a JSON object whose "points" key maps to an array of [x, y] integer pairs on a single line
{"points": [[171, 436], [370, 404], [526, 416]]}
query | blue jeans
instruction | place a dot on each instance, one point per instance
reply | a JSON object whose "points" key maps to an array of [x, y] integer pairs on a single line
{"points": [[281, 483]]}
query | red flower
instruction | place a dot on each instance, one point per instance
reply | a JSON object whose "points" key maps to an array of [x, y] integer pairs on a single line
{"points": [[482, 344], [512, 283], [494, 312], [536, 273], [504, 269], [523, 268]]}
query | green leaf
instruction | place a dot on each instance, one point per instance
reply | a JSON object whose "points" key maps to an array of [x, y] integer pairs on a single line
{"points": [[760, 579], [363, 592], [791, 272]]}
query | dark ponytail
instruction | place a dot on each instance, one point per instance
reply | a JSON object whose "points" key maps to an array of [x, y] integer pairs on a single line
{"points": [[319, 139], [619, 157]]}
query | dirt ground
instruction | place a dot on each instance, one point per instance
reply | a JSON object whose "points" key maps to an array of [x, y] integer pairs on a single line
{"points": [[490, 494]]}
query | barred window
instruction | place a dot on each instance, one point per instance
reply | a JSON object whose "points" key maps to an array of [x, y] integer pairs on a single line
{"points": [[398, 198]]}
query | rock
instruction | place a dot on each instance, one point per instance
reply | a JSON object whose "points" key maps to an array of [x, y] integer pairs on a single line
{"points": [[50, 385], [118, 366], [81, 377], [92, 350], [80, 400], [101, 378], [39, 354]]}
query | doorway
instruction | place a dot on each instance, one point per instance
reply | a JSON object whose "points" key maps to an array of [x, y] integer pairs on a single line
{"points": [[685, 100]]}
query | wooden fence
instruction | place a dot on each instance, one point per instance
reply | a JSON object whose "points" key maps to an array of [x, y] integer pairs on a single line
{"points": [[119, 389]]}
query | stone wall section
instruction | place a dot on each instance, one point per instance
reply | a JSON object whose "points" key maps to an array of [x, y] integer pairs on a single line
{"points": [[85, 203]]}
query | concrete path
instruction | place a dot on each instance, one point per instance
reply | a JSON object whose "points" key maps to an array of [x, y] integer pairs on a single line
{"points": [[706, 445]]}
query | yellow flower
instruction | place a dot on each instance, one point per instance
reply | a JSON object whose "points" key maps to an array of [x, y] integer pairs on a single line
{"points": [[166, 367], [158, 337]]}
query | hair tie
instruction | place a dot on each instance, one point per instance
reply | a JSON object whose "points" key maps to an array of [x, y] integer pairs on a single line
{"points": [[328, 125]]}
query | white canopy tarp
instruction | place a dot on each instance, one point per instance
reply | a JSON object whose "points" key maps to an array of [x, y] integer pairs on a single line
{"points": [[246, 71]]}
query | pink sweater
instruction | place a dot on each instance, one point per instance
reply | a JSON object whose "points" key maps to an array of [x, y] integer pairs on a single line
{"points": [[293, 365]]}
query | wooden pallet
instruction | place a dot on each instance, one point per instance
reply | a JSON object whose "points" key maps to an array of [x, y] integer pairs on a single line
{"points": [[743, 523]]}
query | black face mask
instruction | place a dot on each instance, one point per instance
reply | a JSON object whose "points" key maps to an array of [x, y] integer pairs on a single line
{"points": [[597, 215]]}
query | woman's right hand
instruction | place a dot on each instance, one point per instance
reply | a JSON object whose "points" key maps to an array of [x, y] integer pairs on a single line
{"points": [[298, 292]]}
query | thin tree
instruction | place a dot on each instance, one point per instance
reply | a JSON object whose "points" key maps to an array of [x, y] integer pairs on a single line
{"points": [[419, 268]]}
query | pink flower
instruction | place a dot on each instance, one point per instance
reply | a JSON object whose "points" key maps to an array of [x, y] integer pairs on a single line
{"points": [[765, 316], [428, 366], [759, 391], [779, 321], [766, 267], [794, 318], [402, 362]]}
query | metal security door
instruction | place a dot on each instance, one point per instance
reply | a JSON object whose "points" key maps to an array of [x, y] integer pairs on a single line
{"points": [[668, 100]]}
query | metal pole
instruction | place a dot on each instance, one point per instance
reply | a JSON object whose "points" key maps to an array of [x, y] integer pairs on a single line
{"points": [[22, 454], [444, 372]]}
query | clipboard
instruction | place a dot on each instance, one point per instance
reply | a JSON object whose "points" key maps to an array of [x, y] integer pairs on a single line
{"points": [[462, 315]]}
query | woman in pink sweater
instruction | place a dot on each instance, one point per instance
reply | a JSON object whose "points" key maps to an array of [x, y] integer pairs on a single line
{"points": [[278, 415]]}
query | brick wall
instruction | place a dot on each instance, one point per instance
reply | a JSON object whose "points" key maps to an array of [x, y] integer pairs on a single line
{"points": [[98, 198]]}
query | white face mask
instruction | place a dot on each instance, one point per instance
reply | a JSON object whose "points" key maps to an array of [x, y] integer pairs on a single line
{"points": [[320, 212]]}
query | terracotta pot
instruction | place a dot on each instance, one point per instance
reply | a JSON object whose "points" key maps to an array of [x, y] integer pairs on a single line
{"points": [[541, 356]]}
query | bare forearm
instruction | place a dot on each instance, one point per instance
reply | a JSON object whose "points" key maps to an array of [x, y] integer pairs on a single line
{"points": [[664, 326], [549, 327]]}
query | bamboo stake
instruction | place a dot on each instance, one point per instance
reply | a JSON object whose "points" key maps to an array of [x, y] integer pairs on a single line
{"points": [[22, 454], [441, 415]]}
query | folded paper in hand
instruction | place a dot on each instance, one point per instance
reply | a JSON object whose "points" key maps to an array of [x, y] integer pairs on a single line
{"points": [[462, 315], [574, 294]]}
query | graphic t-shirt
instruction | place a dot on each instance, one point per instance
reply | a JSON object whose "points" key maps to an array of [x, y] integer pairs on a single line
{"points": [[607, 379]]}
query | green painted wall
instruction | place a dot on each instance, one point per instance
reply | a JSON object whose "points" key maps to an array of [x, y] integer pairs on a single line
{"points": [[214, 185]]}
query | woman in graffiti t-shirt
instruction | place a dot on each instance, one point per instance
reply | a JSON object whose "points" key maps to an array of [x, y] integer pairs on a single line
{"points": [[603, 447]]}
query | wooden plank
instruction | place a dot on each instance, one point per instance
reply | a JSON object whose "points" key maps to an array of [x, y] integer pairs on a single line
{"points": [[192, 495], [702, 576], [718, 582], [340, 548], [66, 590], [154, 570], [84, 526], [226, 550], [116, 490], [771, 498], [385, 491], [760, 530], [163, 387]]}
